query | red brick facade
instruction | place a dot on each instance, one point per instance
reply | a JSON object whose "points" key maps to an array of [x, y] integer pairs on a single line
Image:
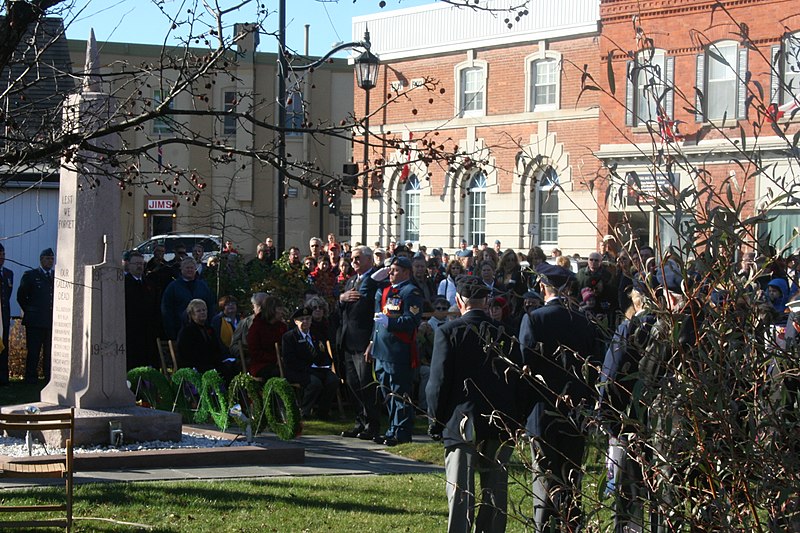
{"points": [[684, 30], [503, 132]]}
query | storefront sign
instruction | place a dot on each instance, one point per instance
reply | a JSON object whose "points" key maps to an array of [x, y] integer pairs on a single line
{"points": [[161, 204]]}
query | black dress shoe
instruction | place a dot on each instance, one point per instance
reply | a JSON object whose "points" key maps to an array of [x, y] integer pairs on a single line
{"points": [[353, 433], [367, 435], [391, 441]]}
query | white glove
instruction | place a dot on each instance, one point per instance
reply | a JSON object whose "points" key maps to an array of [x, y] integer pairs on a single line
{"points": [[381, 319], [380, 274]]}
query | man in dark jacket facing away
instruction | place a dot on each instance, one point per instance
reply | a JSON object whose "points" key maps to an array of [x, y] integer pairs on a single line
{"points": [[470, 399], [557, 341]]}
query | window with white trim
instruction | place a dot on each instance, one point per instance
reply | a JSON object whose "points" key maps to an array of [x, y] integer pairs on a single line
{"points": [[475, 209], [229, 105], [295, 114], [161, 124], [721, 71], [545, 74], [472, 91], [411, 203], [548, 207]]}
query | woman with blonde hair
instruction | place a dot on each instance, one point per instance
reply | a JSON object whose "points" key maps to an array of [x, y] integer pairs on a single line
{"points": [[198, 346]]}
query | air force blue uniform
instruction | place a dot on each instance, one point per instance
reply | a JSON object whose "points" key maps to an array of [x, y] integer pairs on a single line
{"points": [[394, 350], [6, 286]]}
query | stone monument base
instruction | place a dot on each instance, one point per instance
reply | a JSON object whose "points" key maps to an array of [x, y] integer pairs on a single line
{"points": [[138, 424]]}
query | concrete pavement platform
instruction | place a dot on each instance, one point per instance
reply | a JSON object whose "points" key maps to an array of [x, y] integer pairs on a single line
{"points": [[323, 456]]}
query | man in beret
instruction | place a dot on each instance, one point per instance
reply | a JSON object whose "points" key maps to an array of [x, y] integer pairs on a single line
{"points": [[35, 297], [6, 286], [557, 341], [398, 312], [467, 386], [308, 363]]}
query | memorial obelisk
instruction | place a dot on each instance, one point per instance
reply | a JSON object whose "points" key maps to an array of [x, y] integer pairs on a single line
{"points": [[88, 361], [88, 364]]}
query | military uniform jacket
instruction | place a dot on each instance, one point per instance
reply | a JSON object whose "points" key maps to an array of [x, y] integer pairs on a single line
{"points": [[35, 297], [543, 333], [298, 356], [468, 383], [396, 343]]}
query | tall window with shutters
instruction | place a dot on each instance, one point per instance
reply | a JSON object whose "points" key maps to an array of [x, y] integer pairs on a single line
{"points": [[721, 74], [649, 93], [785, 84]]}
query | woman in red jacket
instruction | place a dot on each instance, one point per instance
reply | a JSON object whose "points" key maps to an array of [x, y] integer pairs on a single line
{"points": [[267, 329]]}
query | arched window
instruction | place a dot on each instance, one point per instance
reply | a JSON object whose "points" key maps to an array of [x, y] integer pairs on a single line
{"points": [[548, 207], [411, 196], [470, 78], [475, 210]]}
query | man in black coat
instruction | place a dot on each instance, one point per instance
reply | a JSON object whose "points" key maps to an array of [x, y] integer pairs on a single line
{"points": [[6, 286], [35, 297], [471, 398], [141, 316], [558, 341], [354, 334]]}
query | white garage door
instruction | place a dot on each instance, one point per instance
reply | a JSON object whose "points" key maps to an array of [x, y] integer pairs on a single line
{"points": [[28, 225]]}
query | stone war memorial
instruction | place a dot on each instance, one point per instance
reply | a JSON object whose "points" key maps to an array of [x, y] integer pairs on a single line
{"points": [[88, 355]]}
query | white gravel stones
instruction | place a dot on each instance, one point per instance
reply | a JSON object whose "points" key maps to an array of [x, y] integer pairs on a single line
{"points": [[16, 447]]}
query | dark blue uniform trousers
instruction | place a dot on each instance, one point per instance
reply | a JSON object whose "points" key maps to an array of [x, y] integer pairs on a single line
{"points": [[396, 381]]}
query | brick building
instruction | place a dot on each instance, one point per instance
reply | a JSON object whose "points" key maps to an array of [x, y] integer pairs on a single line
{"points": [[509, 99], [694, 82], [241, 193]]}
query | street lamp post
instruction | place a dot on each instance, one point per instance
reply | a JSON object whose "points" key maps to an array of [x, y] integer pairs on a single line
{"points": [[367, 65]]}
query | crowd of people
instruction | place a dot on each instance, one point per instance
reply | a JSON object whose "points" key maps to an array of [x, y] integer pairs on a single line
{"points": [[489, 344]]}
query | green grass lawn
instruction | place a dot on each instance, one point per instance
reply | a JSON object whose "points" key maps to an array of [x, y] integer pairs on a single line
{"points": [[335, 503]]}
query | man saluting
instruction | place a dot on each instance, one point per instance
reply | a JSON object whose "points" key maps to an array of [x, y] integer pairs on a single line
{"points": [[398, 312]]}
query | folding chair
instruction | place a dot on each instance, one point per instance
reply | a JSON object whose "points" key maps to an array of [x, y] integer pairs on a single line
{"points": [[166, 354], [58, 467]]}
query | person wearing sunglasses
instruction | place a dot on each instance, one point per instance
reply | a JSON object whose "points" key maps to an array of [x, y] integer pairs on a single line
{"points": [[352, 339]]}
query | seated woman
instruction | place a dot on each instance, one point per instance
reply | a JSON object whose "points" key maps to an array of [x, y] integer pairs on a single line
{"points": [[224, 323], [198, 346], [266, 330], [307, 363]]}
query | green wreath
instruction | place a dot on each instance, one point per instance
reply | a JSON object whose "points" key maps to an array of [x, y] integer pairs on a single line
{"points": [[280, 409], [217, 405], [183, 403], [156, 381], [244, 391]]}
